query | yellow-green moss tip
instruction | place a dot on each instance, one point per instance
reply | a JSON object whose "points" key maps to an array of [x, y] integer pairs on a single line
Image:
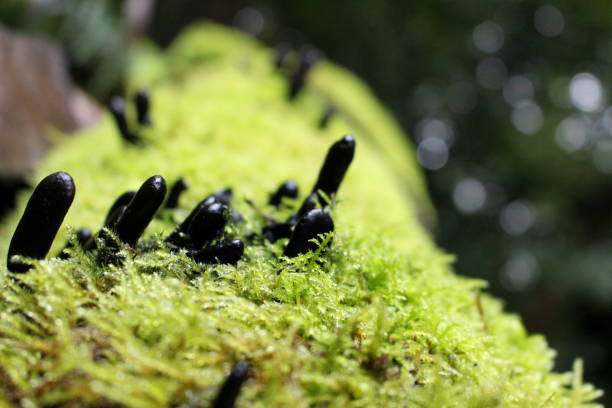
{"points": [[378, 320]]}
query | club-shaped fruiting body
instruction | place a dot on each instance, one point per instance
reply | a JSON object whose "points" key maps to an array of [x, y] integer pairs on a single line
{"points": [[309, 227], [117, 208], [141, 210], [207, 225], [337, 162], [179, 237], [142, 102], [41, 219], [308, 58], [288, 189], [117, 108], [175, 192], [230, 390]]}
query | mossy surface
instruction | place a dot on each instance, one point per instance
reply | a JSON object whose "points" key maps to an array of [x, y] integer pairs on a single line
{"points": [[379, 319]]}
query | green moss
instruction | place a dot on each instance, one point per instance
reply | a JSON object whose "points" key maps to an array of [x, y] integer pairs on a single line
{"points": [[378, 320]]}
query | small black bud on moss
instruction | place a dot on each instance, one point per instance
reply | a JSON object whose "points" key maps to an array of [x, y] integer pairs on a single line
{"points": [[282, 52], [142, 102], [141, 210], [175, 192], [225, 252], [326, 117], [277, 230], [230, 390], [337, 162], [41, 219], [83, 238], [117, 108], [288, 189], [207, 225], [308, 227]]}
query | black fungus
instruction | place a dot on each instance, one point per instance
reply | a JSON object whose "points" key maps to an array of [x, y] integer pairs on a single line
{"points": [[179, 237], [288, 189], [207, 225], [309, 56], [277, 230], [225, 252], [337, 161], [117, 208], [175, 192], [308, 227], [309, 204], [83, 238], [236, 217], [141, 210], [143, 103], [230, 390], [282, 52], [224, 196], [326, 117], [117, 108], [41, 219]]}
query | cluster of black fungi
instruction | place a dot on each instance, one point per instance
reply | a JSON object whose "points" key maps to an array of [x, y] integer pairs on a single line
{"points": [[200, 234]]}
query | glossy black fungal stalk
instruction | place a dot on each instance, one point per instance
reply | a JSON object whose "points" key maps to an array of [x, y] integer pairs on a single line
{"points": [[309, 56], [179, 237], [41, 219], [207, 225], [83, 238], [142, 102], [308, 227], [326, 117], [117, 108], [175, 193], [225, 252], [141, 210], [288, 189], [230, 390], [117, 208], [337, 162]]}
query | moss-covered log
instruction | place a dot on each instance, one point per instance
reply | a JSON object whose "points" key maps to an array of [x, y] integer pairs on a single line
{"points": [[372, 316]]}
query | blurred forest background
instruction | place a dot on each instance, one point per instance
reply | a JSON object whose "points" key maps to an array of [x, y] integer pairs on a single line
{"points": [[508, 104]]}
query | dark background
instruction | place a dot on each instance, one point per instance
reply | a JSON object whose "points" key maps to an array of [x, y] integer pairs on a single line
{"points": [[507, 102]]}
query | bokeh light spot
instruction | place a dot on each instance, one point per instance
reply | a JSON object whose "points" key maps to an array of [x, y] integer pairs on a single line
{"points": [[469, 195], [432, 153], [488, 37], [520, 272], [517, 217], [548, 21], [586, 92], [572, 134], [527, 117]]}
